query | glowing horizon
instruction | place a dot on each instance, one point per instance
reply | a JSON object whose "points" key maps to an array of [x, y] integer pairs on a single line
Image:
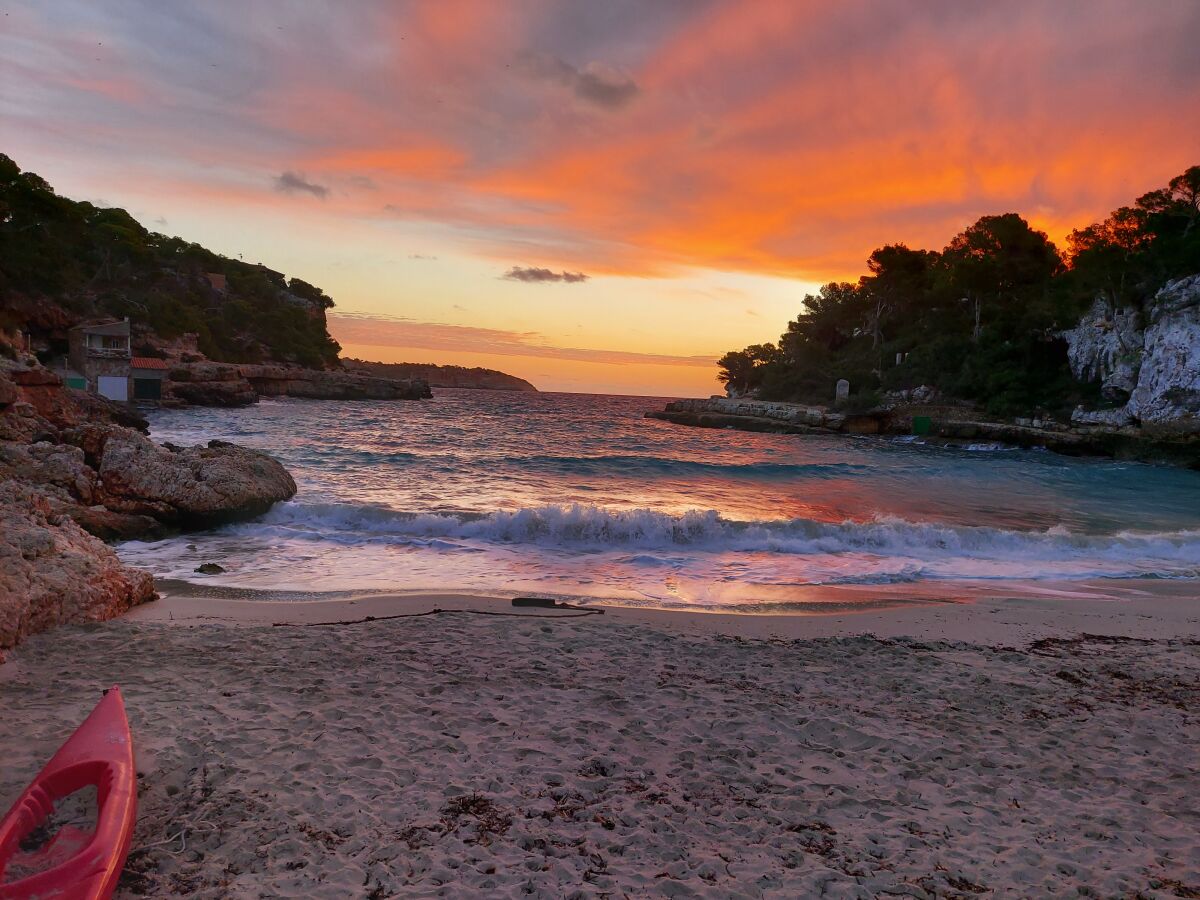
{"points": [[594, 195]]}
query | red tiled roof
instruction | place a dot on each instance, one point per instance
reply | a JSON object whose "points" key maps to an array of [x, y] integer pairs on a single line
{"points": [[148, 362]]}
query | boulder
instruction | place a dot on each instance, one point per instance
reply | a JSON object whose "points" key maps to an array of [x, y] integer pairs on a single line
{"points": [[61, 467], [21, 422], [54, 573], [194, 487]]}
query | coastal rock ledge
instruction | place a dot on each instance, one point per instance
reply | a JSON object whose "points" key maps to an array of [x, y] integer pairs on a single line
{"points": [[227, 384], [72, 475]]}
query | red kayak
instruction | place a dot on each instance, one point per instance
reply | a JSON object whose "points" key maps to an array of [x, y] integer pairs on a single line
{"points": [[77, 864]]}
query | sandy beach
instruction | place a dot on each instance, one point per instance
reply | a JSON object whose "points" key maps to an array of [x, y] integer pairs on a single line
{"points": [[967, 750]]}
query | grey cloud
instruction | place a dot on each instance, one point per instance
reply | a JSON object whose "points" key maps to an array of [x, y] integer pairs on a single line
{"points": [[420, 256], [296, 183], [536, 275], [596, 83], [604, 86]]}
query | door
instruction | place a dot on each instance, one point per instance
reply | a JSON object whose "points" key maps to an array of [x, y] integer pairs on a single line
{"points": [[147, 389], [113, 387]]}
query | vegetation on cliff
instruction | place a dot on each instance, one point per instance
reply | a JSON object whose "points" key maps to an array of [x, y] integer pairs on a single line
{"points": [[982, 319], [91, 261], [442, 376]]}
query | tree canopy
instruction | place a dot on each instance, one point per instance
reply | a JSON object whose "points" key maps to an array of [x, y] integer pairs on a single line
{"points": [[980, 319], [98, 261]]}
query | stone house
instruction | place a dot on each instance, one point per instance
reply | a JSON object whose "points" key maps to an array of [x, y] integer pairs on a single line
{"points": [[100, 358]]}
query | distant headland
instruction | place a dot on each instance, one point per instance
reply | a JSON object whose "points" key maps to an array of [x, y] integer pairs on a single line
{"points": [[441, 376], [126, 313]]}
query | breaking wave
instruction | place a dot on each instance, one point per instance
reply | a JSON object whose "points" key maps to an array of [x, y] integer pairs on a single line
{"points": [[584, 527]]}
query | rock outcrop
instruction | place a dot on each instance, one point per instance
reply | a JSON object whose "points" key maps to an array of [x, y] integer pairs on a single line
{"points": [[73, 473], [1105, 346], [192, 487], [52, 572], [209, 384], [226, 384], [1167, 394], [317, 384], [1148, 364], [955, 425]]}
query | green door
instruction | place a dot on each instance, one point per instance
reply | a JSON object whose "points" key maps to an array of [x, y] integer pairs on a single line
{"points": [[147, 389]]}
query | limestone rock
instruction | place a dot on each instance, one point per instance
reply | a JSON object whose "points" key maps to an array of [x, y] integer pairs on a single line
{"points": [[194, 487], [1168, 386], [1154, 365], [1113, 418], [789, 413], [53, 573], [1107, 347]]}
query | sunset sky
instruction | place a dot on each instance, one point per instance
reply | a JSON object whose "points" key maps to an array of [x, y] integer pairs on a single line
{"points": [[593, 195]]}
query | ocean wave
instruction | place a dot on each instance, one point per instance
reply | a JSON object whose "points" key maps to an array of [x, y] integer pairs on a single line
{"points": [[657, 466], [580, 526]]}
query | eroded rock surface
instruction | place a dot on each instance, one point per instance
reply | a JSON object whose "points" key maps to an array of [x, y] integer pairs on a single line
{"points": [[1151, 366], [191, 487], [72, 474], [52, 572]]}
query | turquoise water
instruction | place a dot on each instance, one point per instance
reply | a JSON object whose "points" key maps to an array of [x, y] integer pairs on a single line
{"points": [[580, 496]]}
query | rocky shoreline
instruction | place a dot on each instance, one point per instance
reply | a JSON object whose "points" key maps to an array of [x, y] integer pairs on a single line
{"points": [[228, 384], [947, 425], [76, 470]]}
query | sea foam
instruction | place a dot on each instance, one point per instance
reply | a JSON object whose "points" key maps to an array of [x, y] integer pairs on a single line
{"points": [[582, 526]]}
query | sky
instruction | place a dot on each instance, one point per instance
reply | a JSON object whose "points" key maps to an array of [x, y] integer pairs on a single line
{"points": [[595, 196]]}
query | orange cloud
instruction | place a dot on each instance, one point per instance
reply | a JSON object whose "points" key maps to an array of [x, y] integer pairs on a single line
{"points": [[777, 138]]}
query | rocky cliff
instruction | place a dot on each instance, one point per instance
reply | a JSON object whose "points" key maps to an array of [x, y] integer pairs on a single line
{"points": [[442, 376], [73, 472], [1148, 365]]}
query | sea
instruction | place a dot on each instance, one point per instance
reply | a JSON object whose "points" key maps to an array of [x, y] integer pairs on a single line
{"points": [[581, 498]]}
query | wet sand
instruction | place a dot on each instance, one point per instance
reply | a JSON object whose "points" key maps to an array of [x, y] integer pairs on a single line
{"points": [[935, 750]]}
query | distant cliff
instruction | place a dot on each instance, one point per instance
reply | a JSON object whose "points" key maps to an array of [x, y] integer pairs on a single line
{"points": [[441, 376]]}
